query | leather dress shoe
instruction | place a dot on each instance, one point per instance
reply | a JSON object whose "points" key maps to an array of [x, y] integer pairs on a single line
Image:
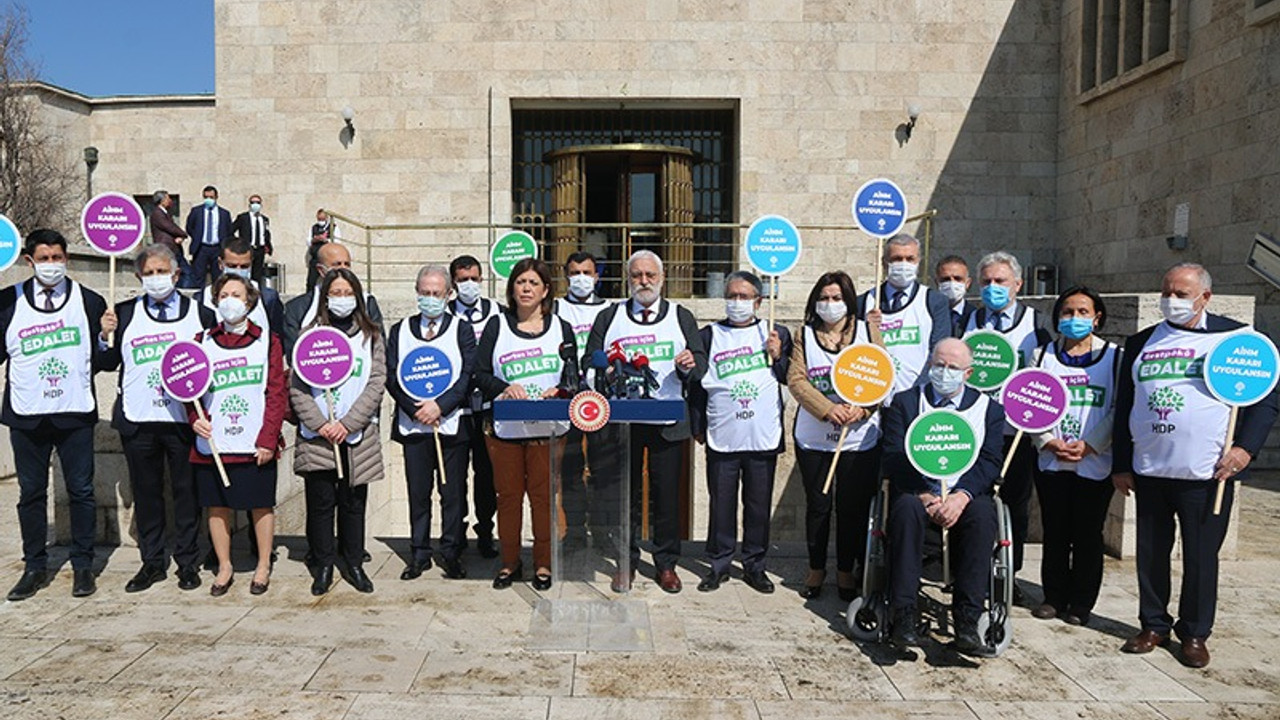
{"points": [[541, 581], [188, 577], [83, 584], [712, 581], [669, 581], [1195, 654], [259, 588], [452, 568], [486, 547], [1075, 617], [758, 581], [217, 590], [1144, 642], [28, 584], [969, 642], [356, 578], [322, 580], [149, 575], [809, 592], [906, 623], [622, 582], [505, 577], [1045, 611], [415, 568]]}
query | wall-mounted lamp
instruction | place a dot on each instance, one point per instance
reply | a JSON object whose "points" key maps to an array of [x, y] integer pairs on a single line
{"points": [[90, 162], [348, 116], [913, 114]]}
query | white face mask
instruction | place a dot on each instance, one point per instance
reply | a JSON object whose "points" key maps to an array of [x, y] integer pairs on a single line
{"points": [[902, 274], [946, 381], [232, 310], [50, 273], [469, 292], [740, 311], [341, 306], [158, 287], [1178, 311], [953, 289], [582, 286], [832, 312]]}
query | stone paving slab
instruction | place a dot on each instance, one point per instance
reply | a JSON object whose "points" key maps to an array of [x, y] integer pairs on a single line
{"points": [[493, 673], [577, 708], [381, 669], [1064, 711], [245, 704], [854, 710], [19, 701], [82, 661], [226, 665], [372, 706]]}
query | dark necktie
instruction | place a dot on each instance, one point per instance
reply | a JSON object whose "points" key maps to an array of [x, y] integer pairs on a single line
{"points": [[1000, 321], [208, 226], [257, 231], [897, 302], [431, 330], [48, 298], [162, 311], [644, 315]]}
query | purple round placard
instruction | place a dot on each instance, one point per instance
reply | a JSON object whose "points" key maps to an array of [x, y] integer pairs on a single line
{"points": [[1034, 400], [184, 371], [323, 358], [112, 223]]}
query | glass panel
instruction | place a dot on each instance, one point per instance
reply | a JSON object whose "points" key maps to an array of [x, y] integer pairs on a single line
{"points": [[644, 197]]}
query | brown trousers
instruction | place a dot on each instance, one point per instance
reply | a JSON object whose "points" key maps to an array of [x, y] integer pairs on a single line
{"points": [[520, 469]]}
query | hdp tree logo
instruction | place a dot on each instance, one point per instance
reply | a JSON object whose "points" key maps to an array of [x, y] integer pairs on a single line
{"points": [[744, 391], [53, 370], [1070, 427], [153, 382], [1165, 401], [234, 407]]}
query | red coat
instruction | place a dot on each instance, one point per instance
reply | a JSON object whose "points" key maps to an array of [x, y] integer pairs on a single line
{"points": [[277, 393]]}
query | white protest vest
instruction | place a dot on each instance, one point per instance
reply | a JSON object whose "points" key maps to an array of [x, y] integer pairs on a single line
{"points": [[534, 363], [50, 355], [237, 397], [1178, 428], [310, 315], [1022, 335], [142, 344], [580, 316], [744, 406], [447, 343], [258, 314], [344, 396], [477, 315], [660, 342], [976, 416], [906, 336], [813, 433], [1092, 391]]}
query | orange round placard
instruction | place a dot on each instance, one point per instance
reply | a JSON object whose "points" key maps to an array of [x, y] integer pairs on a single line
{"points": [[863, 374]]}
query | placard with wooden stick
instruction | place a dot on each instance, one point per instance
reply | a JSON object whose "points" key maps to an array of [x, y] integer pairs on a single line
{"points": [[861, 375], [324, 359], [1240, 370], [185, 375], [772, 245], [112, 223], [425, 373]]}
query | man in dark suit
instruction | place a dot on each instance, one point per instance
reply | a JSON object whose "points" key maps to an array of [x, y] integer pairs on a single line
{"points": [[255, 228], [301, 310], [55, 332], [670, 334], [1169, 449], [968, 511], [166, 232], [951, 275], [208, 226]]}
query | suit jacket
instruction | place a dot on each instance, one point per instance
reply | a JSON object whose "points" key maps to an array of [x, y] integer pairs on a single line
{"points": [[165, 230], [979, 480], [935, 302], [1252, 426], [959, 321], [112, 359], [453, 398], [94, 306], [296, 310], [242, 227], [195, 227]]}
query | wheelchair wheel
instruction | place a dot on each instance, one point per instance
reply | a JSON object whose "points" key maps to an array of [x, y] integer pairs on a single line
{"points": [[867, 618], [875, 565], [995, 625]]}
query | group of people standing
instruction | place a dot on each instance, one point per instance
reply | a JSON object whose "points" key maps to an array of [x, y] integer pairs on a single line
{"points": [[730, 374]]}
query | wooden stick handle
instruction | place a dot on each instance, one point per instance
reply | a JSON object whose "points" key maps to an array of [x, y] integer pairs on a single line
{"points": [[835, 460], [337, 454], [773, 295], [111, 296], [879, 271], [435, 432], [1008, 458], [217, 456], [1231, 438]]}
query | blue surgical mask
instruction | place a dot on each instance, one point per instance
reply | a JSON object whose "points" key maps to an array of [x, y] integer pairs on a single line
{"points": [[432, 307], [255, 207], [995, 297], [1076, 328], [238, 272], [946, 381], [210, 202]]}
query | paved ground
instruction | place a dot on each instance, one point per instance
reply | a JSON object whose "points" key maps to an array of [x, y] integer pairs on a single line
{"points": [[455, 649]]}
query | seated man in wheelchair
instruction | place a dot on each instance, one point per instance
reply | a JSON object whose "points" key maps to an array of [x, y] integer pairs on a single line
{"points": [[968, 513]]}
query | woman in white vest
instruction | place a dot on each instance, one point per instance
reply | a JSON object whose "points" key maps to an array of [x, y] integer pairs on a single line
{"points": [[244, 410], [1074, 464], [831, 324], [520, 358], [736, 410], [352, 427]]}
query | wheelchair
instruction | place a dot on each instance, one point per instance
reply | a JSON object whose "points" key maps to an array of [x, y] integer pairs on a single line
{"points": [[868, 617]]}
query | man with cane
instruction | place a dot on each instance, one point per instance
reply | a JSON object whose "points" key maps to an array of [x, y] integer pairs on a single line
{"points": [[1170, 449]]}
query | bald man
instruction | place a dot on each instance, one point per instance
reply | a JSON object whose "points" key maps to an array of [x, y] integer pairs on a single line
{"points": [[301, 310]]}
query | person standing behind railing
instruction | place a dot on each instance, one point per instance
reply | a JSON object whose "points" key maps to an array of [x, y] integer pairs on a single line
{"points": [[325, 230]]}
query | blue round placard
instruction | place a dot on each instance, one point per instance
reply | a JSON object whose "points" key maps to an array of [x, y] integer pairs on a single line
{"points": [[773, 245], [880, 208], [1242, 368], [10, 243], [425, 373]]}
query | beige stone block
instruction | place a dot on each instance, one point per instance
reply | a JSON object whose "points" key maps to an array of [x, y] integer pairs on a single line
{"points": [[373, 706], [36, 702]]}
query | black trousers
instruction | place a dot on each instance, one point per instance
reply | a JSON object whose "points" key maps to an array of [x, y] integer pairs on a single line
{"points": [[205, 263], [326, 497], [972, 540], [665, 462], [258, 269], [1072, 511], [31, 453], [483, 497], [1161, 502], [856, 482], [421, 476], [1015, 491], [573, 486], [753, 474], [147, 453]]}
